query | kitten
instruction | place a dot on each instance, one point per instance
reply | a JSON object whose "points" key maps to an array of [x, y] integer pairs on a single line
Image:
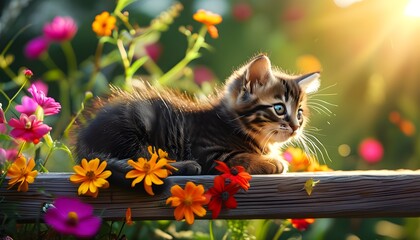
{"points": [[258, 107]]}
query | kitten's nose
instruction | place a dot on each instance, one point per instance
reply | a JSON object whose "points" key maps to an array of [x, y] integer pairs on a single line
{"points": [[294, 127]]}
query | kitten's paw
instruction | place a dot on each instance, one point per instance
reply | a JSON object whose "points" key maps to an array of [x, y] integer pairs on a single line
{"points": [[186, 168], [281, 165]]}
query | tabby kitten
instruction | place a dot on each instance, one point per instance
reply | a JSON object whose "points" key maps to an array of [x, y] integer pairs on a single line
{"points": [[258, 107]]}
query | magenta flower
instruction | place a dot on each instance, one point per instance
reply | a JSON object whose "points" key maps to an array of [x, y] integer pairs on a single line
{"points": [[71, 216], [60, 29], [36, 47], [41, 86], [48, 104], [371, 150], [28, 128], [28, 106], [3, 127], [7, 155]]}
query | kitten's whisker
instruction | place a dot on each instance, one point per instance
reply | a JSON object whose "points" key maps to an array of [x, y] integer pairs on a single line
{"points": [[325, 88], [320, 110], [324, 102], [308, 135], [267, 138], [321, 106]]}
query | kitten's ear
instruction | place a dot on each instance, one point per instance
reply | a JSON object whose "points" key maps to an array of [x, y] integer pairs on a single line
{"points": [[309, 83], [258, 72]]}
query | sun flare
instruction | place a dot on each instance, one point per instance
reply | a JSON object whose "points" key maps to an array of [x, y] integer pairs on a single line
{"points": [[413, 8]]}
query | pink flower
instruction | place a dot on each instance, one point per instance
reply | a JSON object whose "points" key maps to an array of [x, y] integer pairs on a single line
{"points": [[60, 29], [41, 86], [203, 74], [36, 47], [7, 155], [28, 128], [3, 127], [48, 104], [71, 216], [242, 11], [154, 51], [371, 150], [28, 106]]}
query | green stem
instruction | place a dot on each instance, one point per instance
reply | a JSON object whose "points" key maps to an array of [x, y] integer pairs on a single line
{"points": [[65, 107], [191, 54], [48, 157], [21, 148], [9, 73], [211, 231], [14, 96], [97, 65], [280, 231], [126, 64], [70, 57]]}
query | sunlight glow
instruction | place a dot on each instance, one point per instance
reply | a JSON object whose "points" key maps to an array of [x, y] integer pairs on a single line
{"points": [[413, 8]]}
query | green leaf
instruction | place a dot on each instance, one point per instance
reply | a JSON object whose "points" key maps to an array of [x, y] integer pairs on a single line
{"points": [[309, 185], [122, 4], [136, 65], [4, 137]]}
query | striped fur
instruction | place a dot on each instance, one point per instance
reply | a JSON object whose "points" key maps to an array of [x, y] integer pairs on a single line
{"points": [[235, 126]]}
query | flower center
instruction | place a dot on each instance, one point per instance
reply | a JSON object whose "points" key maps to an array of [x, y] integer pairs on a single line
{"points": [[72, 218], [28, 125], [225, 196], [146, 167], [234, 171], [90, 175], [188, 201]]}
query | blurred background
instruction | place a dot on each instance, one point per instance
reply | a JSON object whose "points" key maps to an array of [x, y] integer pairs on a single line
{"points": [[368, 53]]}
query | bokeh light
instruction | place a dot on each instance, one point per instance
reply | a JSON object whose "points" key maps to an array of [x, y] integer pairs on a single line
{"points": [[371, 150]]}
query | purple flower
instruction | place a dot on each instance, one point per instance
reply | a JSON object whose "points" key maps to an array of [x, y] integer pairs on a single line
{"points": [[71, 216], [60, 29], [28, 106], [7, 155], [41, 86], [48, 104], [28, 128], [36, 47]]}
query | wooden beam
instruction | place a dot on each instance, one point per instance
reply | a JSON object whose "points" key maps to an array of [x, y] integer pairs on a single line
{"points": [[338, 194]]}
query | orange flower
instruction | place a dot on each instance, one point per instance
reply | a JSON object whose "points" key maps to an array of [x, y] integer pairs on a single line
{"points": [[104, 24], [210, 20], [188, 201], [151, 171], [128, 219], [21, 172], [92, 176]]}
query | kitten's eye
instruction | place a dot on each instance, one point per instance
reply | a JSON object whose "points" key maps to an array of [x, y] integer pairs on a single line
{"points": [[280, 109], [299, 113]]}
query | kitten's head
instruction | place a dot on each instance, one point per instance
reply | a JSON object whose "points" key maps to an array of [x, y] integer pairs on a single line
{"points": [[270, 105]]}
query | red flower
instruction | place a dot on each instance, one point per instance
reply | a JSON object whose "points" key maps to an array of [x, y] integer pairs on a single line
{"points": [[221, 195], [302, 224], [236, 174], [28, 128]]}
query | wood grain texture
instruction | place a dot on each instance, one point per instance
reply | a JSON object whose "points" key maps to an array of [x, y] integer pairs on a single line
{"points": [[338, 194]]}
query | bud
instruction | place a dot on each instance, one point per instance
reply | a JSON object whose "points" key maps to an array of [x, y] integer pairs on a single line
{"points": [[28, 73]]}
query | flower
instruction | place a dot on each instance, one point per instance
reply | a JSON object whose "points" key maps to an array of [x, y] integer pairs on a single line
{"points": [[222, 195], [128, 219], [203, 74], [36, 47], [236, 174], [91, 175], [3, 127], [71, 216], [28, 128], [188, 201], [28, 106], [48, 104], [28, 73], [300, 161], [371, 150], [302, 224], [21, 172], [103, 24], [7, 155], [241, 11], [60, 29], [210, 20], [150, 171]]}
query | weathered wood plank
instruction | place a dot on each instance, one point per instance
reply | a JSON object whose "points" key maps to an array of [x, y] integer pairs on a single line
{"points": [[338, 194]]}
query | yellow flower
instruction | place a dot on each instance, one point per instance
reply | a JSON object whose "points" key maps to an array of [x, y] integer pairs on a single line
{"points": [[92, 176], [103, 24], [210, 20], [188, 201], [21, 172], [150, 171]]}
